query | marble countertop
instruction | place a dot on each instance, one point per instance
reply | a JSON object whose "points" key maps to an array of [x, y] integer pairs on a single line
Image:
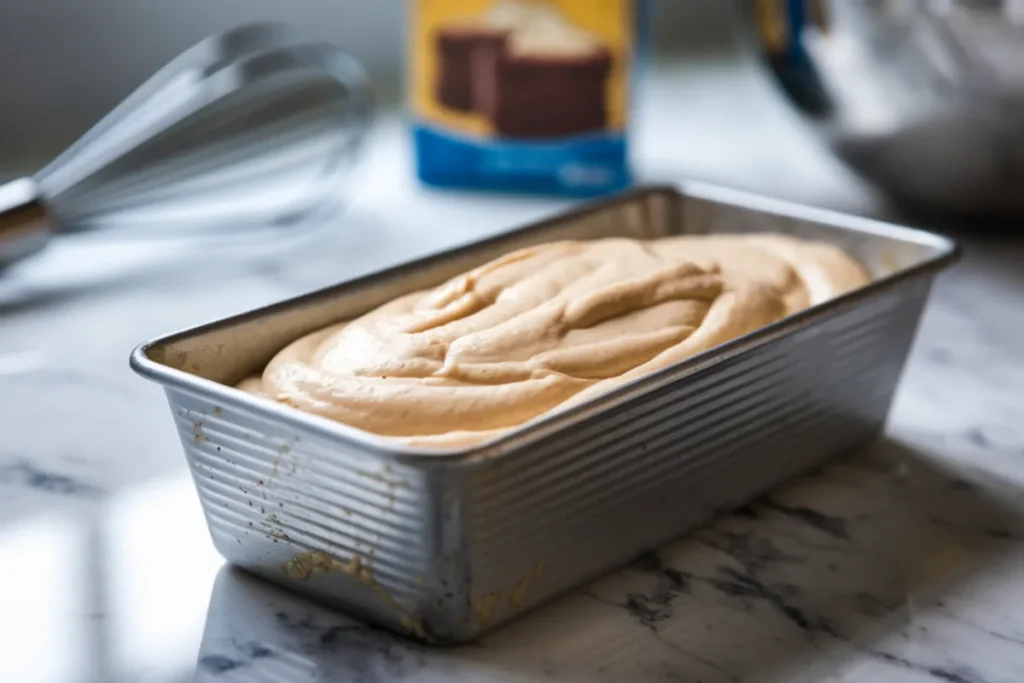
{"points": [[903, 562]]}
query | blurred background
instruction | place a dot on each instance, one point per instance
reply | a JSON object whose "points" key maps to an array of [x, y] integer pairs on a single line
{"points": [[67, 64], [93, 56]]}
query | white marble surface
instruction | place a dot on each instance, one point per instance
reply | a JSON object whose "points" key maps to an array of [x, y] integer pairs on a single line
{"points": [[901, 563]]}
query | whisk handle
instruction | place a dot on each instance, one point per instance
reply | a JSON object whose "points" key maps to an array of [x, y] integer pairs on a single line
{"points": [[24, 221]]}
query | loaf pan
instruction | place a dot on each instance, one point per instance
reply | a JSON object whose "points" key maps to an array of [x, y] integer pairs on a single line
{"points": [[445, 545]]}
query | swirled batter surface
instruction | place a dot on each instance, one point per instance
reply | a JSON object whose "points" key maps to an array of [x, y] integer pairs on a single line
{"points": [[544, 328]]}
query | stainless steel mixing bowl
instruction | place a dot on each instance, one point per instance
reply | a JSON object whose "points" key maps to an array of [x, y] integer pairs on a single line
{"points": [[925, 98]]}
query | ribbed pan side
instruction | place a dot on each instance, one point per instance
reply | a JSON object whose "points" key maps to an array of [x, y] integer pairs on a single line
{"points": [[594, 497], [341, 526]]}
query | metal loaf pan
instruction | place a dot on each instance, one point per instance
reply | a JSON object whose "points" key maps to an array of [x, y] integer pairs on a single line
{"points": [[446, 545]]}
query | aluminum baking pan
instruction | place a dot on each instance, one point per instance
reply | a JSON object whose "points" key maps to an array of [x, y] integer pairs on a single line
{"points": [[444, 545]]}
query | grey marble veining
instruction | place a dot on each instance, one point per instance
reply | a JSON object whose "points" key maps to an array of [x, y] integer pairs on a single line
{"points": [[889, 565], [902, 562]]}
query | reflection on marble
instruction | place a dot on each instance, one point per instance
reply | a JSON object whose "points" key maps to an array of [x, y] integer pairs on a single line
{"points": [[105, 589]]}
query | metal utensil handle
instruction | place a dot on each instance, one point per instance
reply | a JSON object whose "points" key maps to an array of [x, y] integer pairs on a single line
{"points": [[24, 221]]}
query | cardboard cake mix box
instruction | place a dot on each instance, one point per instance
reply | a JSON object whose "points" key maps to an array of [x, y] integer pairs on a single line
{"points": [[525, 95]]}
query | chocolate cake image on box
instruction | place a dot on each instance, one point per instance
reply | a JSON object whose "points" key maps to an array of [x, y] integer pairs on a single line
{"points": [[530, 72], [547, 80], [456, 43], [455, 48]]}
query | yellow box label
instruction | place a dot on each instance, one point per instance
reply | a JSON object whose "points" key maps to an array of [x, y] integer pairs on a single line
{"points": [[521, 69], [773, 22]]}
